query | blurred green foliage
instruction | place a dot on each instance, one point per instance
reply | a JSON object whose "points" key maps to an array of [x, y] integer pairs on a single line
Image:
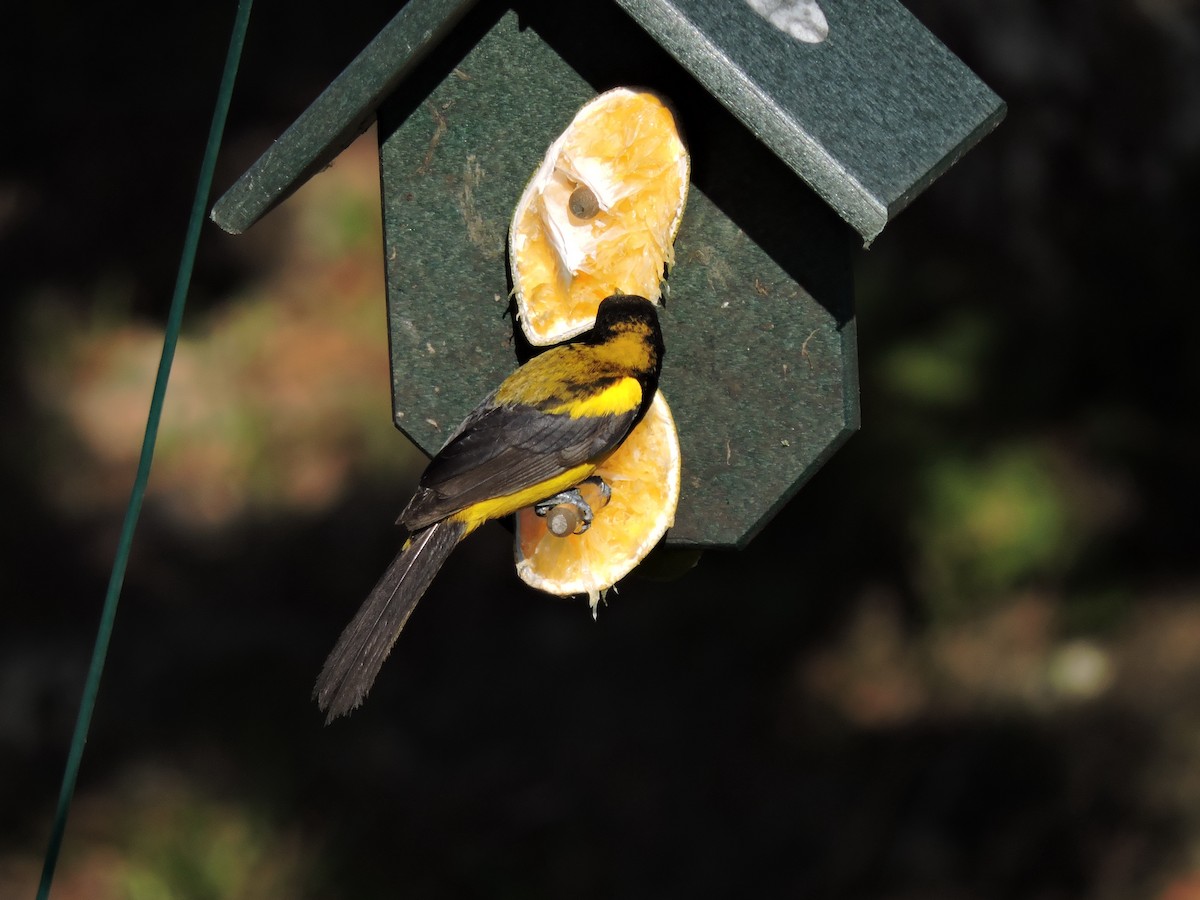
{"points": [[176, 841], [987, 527], [941, 370]]}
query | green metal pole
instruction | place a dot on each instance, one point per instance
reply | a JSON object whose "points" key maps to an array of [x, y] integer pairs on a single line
{"points": [[133, 510]]}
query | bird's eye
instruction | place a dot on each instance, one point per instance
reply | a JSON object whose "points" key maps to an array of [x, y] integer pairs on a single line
{"points": [[583, 203]]}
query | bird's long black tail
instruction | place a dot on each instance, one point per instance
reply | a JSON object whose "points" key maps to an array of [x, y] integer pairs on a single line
{"points": [[351, 668]]}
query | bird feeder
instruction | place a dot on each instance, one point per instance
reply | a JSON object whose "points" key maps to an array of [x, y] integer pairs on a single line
{"points": [[810, 125]]}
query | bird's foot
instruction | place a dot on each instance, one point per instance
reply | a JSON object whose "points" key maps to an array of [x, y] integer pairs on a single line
{"points": [[568, 512]]}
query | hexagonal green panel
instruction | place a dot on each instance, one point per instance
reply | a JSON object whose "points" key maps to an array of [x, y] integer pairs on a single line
{"points": [[760, 368]]}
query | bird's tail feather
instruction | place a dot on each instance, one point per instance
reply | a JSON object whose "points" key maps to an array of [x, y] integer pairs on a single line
{"points": [[351, 668]]}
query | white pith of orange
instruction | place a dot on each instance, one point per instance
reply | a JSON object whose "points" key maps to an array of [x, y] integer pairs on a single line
{"points": [[625, 146], [643, 474]]}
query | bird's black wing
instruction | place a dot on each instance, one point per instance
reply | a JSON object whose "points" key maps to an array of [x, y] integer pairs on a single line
{"points": [[500, 450]]}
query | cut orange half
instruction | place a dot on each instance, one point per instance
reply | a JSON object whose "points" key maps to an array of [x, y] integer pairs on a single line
{"points": [[643, 475], [600, 214]]}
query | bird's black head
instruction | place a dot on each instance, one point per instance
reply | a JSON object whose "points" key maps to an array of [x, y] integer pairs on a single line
{"points": [[627, 313], [628, 332]]}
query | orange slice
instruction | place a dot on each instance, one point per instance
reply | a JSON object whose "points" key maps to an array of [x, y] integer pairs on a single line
{"points": [[600, 214], [643, 474]]}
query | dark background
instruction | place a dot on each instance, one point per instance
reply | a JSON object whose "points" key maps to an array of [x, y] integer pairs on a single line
{"points": [[960, 664]]}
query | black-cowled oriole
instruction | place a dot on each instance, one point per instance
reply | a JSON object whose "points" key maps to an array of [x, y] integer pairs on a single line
{"points": [[543, 431]]}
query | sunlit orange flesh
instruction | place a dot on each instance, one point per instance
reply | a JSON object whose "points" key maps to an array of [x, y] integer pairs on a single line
{"points": [[644, 477], [625, 147]]}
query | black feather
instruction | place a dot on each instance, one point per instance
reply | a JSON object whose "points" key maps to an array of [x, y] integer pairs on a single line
{"points": [[365, 643]]}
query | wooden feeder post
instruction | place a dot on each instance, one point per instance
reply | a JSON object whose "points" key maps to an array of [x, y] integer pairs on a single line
{"points": [[801, 152]]}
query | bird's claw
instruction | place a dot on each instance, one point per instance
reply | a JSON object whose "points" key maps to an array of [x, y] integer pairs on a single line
{"points": [[568, 512]]}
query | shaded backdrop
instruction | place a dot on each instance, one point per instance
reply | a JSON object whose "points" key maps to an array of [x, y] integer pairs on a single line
{"points": [[960, 664]]}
